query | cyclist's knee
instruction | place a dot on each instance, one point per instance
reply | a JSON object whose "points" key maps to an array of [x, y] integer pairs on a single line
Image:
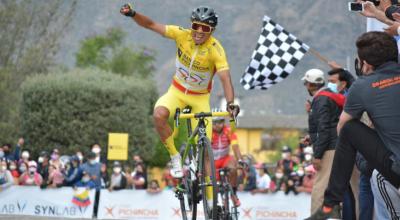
{"points": [[160, 114]]}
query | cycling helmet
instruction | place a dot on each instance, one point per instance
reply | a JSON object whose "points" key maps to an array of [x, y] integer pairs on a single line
{"points": [[206, 15], [218, 118]]}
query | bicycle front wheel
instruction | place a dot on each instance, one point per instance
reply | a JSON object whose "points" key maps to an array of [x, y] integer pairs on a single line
{"points": [[189, 195], [207, 168]]}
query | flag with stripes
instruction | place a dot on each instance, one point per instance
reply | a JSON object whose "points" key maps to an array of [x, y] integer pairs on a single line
{"points": [[276, 54]]}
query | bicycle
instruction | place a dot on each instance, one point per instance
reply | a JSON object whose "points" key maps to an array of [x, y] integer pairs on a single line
{"points": [[197, 148], [226, 211]]}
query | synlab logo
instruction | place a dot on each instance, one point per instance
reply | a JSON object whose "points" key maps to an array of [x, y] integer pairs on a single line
{"points": [[13, 208], [110, 211]]}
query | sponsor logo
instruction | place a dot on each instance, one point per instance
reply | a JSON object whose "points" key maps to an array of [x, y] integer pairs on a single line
{"points": [[13, 208], [126, 212], [47, 210]]}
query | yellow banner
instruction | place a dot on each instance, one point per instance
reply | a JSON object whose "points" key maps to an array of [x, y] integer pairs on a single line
{"points": [[117, 146]]}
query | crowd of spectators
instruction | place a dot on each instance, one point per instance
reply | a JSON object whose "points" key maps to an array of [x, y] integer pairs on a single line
{"points": [[51, 170]]}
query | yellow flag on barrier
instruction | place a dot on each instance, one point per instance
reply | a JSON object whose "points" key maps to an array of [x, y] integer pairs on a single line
{"points": [[117, 146]]}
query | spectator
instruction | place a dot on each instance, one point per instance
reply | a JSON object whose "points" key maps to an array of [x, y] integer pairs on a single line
{"points": [[31, 177], [326, 107], [308, 180], [118, 180], [154, 187], [79, 154], [97, 150], [13, 156], [6, 179], [308, 156], [263, 179], [170, 184], [128, 176], [24, 156], [44, 164], [376, 93], [286, 162], [340, 80], [55, 159], [250, 181], [56, 178], [93, 169], [14, 172], [105, 178], [166, 177], [86, 181], [279, 179], [74, 173], [1, 154], [139, 179], [22, 168]]}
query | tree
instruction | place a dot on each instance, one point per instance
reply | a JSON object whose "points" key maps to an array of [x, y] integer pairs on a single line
{"points": [[29, 39], [76, 109], [107, 52]]}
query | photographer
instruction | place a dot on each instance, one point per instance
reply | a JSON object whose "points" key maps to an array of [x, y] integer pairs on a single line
{"points": [[377, 94]]}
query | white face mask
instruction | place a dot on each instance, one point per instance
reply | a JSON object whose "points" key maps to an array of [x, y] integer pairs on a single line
{"points": [[1, 154], [279, 175], [92, 161], [13, 167], [96, 150], [85, 179], [22, 169], [80, 157], [117, 170], [40, 159], [300, 172], [3, 168], [308, 157]]}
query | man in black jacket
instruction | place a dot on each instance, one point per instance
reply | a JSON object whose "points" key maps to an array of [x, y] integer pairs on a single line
{"points": [[326, 107], [377, 94]]}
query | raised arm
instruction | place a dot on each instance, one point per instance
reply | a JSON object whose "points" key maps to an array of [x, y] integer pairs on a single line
{"points": [[143, 20]]}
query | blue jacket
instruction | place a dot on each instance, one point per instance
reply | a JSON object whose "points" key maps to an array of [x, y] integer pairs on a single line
{"points": [[93, 170]]}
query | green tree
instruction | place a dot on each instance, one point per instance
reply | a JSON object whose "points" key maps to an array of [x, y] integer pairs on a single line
{"points": [[108, 52], [29, 40], [75, 109]]}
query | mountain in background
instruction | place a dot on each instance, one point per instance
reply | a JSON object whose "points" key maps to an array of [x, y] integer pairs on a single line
{"points": [[325, 25]]}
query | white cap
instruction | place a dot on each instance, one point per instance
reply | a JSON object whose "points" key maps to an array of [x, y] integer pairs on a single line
{"points": [[314, 76]]}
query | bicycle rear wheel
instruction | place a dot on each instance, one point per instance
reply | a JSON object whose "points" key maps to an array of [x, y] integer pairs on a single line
{"points": [[205, 148]]}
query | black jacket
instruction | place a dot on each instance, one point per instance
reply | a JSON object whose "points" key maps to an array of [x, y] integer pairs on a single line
{"points": [[322, 123]]}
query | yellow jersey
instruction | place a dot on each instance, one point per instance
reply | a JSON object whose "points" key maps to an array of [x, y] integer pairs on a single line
{"points": [[195, 64]]}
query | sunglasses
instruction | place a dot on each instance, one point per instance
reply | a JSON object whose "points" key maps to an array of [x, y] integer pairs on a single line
{"points": [[203, 27]]}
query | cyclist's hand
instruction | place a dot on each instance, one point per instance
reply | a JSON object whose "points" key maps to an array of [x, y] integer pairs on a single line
{"points": [[233, 109], [127, 10], [243, 164]]}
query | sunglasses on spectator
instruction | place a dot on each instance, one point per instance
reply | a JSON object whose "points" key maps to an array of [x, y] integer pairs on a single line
{"points": [[203, 27]]}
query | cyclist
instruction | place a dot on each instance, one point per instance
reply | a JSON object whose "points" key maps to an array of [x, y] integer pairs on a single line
{"points": [[222, 140], [199, 58]]}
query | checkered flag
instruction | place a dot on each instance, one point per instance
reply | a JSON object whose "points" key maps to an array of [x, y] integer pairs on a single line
{"points": [[276, 54]]}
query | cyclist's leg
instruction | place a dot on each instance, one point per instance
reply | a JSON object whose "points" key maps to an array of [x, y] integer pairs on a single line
{"points": [[231, 163], [164, 109]]}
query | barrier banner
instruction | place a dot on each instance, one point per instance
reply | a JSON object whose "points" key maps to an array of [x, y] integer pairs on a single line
{"points": [[138, 204], [61, 202]]}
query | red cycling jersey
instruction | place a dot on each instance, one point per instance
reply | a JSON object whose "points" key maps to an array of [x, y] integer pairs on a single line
{"points": [[221, 141]]}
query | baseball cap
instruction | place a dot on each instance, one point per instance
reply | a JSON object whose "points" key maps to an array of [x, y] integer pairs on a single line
{"points": [[314, 76], [286, 149]]}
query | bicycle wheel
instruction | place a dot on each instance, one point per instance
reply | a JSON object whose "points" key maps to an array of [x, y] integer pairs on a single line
{"points": [[204, 147], [189, 198]]}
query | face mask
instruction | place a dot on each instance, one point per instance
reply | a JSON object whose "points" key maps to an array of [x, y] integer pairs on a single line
{"points": [[300, 172], [40, 159], [3, 168], [13, 167], [92, 162], [96, 150], [54, 156], [333, 87], [85, 179], [308, 157], [80, 157], [22, 169], [1, 154], [25, 155], [285, 155], [117, 170], [279, 175]]}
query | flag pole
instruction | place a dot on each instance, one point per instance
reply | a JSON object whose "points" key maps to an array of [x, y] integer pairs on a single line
{"points": [[318, 55]]}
